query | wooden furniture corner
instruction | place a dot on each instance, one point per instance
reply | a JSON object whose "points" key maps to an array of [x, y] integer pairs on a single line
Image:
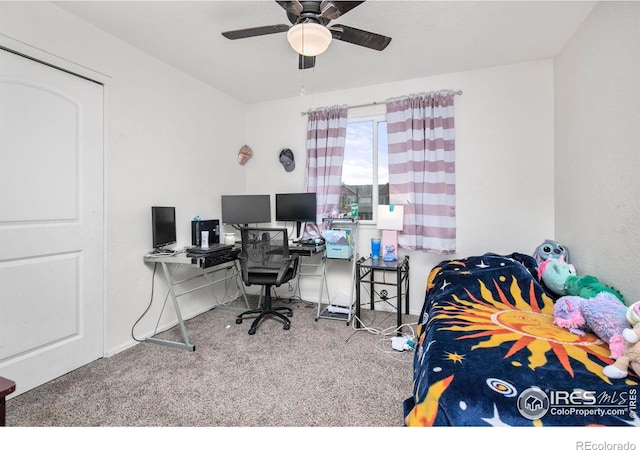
{"points": [[6, 388]]}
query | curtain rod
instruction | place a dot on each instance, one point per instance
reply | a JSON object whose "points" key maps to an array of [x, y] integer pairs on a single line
{"points": [[304, 113]]}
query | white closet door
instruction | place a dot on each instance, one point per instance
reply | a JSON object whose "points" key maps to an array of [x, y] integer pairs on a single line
{"points": [[51, 221]]}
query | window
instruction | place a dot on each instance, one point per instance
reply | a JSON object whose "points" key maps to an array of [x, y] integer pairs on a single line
{"points": [[365, 173]]}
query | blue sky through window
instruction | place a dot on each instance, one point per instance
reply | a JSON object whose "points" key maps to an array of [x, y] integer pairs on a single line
{"points": [[357, 168]]}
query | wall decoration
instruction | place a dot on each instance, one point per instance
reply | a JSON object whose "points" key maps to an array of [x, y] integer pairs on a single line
{"points": [[287, 160], [244, 154]]}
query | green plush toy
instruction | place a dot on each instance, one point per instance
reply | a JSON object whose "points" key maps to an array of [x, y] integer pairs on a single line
{"points": [[562, 279], [588, 286]]}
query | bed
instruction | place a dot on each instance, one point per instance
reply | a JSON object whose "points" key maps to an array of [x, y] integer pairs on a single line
{"points": [[487, 354]]}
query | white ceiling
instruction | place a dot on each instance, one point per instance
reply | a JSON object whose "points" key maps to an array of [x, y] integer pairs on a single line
{"points": [[428, 38]]}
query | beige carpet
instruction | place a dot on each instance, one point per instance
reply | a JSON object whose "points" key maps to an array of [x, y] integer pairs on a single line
{"points": [[317, 374]]}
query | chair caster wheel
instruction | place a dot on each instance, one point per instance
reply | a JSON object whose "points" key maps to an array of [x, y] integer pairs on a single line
{"points": [[252, 331], [286, 326], [238, 321]]}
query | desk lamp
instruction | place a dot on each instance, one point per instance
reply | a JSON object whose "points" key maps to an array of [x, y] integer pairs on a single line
{"points": [[390, 221]]}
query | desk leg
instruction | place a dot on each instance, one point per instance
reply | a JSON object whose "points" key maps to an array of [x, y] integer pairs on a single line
{"points": [[324, 284], [399, 305], [186, 344], [372, 275], [406, 291], [358, 281]]}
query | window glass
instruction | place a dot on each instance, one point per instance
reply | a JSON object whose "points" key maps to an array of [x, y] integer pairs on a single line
{"points": [[365, 174], [383, 164]]}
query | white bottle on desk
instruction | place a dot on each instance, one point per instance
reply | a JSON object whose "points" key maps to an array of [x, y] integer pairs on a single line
{"points": [[204, 240]]}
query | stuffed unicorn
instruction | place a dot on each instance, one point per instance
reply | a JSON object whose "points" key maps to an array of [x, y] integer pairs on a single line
{"points": [[604, 315]]}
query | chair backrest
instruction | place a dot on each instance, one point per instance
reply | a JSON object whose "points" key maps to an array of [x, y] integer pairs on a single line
{"points": [[264, 249]]}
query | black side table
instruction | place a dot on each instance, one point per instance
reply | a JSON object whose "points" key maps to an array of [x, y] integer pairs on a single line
{"points": [[366, 268], [6, 387]]}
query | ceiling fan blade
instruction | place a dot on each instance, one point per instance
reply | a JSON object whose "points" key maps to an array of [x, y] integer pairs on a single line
{"points": [[293, 9], [306, 62], [360, 37], [332, 10], [256, 31]]}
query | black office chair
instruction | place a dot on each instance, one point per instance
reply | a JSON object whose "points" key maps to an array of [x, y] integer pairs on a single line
{"points": [[265, 260]]}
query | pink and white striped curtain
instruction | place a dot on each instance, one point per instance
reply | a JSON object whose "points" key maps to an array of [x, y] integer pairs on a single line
{"points": [[420, 130], [326, 134]]}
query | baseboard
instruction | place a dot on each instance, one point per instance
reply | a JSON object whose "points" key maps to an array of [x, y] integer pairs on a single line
{"points": [[132, 342]]}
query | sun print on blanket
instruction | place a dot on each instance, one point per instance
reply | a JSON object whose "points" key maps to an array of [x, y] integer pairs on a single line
{"points": [[486, 336], [518, 321]]}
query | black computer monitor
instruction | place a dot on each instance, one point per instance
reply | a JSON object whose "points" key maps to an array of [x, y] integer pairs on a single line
{"points": [[163, 226], [246, 209], [296, 207]]}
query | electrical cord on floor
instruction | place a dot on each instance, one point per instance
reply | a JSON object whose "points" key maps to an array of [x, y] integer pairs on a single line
{"points": [[153, 276], [153, 282], [389, 331], [385, 345], [297, 295], [295, 298], [228, 297], [389, 335]]}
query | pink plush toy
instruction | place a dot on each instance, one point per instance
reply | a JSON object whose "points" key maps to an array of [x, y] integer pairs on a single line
{"points": [[603, 314]]}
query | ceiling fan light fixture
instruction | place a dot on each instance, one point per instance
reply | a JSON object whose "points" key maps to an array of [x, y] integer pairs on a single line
{"points": [[309, 39]]}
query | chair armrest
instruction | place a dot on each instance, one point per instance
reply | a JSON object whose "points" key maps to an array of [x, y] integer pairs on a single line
{"points": [[243, 267], [287, 263]]}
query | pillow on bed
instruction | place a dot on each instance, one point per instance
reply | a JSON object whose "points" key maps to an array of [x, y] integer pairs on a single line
{"points": [[527, 261], [464, 275]]}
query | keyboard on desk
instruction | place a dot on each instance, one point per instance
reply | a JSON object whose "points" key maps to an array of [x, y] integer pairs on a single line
{"points": [[213, 248], [216, 258], [309, 242]]}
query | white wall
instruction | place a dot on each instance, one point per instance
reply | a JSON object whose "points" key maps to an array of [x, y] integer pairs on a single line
{"points": [[504, 158], [169, 139], [597, 91]]}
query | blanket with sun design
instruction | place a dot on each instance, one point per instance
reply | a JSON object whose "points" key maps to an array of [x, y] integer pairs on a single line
{"points": [[488, 354]]}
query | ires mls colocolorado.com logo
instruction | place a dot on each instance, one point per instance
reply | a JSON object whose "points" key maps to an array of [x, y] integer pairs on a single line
{"points": [[535, 403]]}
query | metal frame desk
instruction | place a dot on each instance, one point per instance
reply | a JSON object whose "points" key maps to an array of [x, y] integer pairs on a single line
{"points": [[200, 262], [365, 272], [319, 270]]}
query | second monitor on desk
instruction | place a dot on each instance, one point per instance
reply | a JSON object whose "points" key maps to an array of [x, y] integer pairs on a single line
{"points": [[296, 207]]}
